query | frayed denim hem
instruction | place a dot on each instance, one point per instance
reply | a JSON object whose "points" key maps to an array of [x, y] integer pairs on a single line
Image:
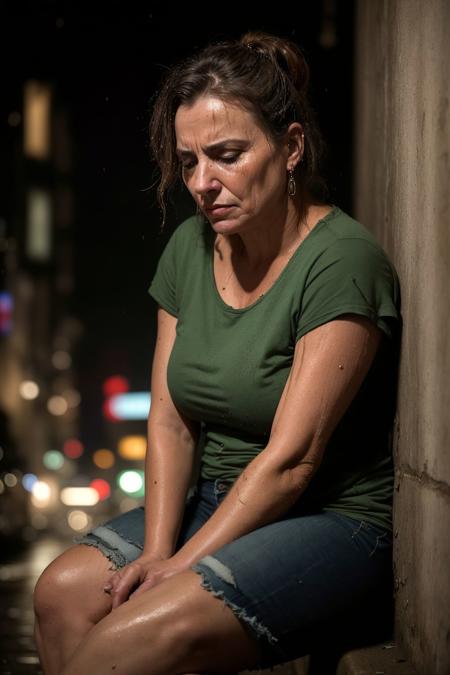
{"points": [[209, 566], [118, 549], [117, 559]]}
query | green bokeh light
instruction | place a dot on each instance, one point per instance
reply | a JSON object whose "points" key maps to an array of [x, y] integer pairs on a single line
{"points": [[53, 459], [131, 482]]}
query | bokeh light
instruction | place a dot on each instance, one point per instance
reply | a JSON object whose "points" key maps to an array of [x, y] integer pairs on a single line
{"points": [[102, 488], [57, 405], [73, 448], [41, 494], [131, 482], [78, 520], [61, 360], [116, 384], [108, 412], [79, 496], [29, 390], [45, 493], [103, 458], [131, 406], [6, 299], [73, 397], [28, 481], [53, 459], [133, 447], [10, 480]]}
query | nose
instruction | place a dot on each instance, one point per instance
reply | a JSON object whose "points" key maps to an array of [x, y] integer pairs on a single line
{"points": [[203, 179]]}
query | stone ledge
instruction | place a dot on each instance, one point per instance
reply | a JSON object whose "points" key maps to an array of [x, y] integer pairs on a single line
{"points": [[382, 659], [385, 658], [297, 667]]}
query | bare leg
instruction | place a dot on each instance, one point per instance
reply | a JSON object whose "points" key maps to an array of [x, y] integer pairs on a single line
{"points": [[69, 600], [177, 627]]}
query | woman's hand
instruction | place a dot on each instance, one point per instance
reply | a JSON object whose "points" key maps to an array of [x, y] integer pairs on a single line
{"points": [[140, 575]]}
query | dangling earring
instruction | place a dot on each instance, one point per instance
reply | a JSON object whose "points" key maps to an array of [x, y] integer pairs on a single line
{"points": [[292, 187]]}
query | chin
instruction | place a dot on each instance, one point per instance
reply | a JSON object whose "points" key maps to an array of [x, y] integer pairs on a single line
{"points": [[226, 225]]}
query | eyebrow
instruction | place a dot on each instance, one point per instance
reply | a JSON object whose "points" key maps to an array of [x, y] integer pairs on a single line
{"points": [[214, 146]]}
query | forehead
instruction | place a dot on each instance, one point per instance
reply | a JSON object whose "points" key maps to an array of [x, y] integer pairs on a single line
{"points": [[210, 119]]}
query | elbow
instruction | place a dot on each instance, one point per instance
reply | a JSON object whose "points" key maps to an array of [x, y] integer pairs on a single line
{"points": [[295, 475], [286, 484], [297, 478], [280, 474]]}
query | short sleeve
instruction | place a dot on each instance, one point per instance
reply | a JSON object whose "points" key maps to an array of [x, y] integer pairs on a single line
{"points": [[351, 276], [163, 287]]}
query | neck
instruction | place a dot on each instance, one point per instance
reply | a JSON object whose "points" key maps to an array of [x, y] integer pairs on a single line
{"points": [[258, 246]]}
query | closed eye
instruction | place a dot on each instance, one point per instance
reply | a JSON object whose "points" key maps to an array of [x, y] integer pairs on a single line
{"points": [[230, 159]]}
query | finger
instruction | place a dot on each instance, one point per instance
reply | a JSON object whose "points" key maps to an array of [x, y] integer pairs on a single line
{"points": [[117, 575], [145, 586], [127, 583], [112, 581]]}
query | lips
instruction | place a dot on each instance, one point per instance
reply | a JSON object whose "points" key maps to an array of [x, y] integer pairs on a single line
{"points": [[219, 209]]}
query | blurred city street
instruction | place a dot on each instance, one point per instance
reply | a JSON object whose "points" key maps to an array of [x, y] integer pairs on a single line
{"points": [[80, 238], [82, 230], [18, 574]]}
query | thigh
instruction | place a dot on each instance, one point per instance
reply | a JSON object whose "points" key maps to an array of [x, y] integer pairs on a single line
{"points": [[294, 579], [174, 627]]}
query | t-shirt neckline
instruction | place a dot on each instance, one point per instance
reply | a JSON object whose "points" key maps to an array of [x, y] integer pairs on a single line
{"points": [[240, 310]]}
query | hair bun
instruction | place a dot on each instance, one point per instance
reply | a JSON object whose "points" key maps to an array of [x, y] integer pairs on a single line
{"points": [[285, 53]]}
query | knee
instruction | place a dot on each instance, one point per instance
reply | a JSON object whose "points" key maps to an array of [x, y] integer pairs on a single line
{"points": [[53, 590], [67, 588]]}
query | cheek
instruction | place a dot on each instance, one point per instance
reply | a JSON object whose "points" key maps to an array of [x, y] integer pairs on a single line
{"points": [[262, 184], [248, 181], [241, 184]]}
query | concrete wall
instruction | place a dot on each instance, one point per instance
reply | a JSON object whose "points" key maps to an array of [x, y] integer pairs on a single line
{"points": [[402, 185]]}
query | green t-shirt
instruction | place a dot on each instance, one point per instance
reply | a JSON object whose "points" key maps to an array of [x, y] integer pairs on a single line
{"points": [[228, 367]]}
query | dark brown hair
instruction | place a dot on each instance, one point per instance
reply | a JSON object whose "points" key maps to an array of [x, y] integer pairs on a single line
{"points": [[266, 74]]}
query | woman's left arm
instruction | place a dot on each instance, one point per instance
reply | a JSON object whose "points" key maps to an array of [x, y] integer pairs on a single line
{"points": [[330, 364]]}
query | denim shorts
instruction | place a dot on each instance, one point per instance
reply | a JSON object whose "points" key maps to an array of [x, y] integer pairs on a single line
{"points": [[299, 585]]}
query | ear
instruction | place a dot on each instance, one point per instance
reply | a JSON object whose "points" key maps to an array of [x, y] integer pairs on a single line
{"points": [[295, 140]]}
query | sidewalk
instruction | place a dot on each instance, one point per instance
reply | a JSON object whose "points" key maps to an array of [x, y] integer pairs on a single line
{"points": [[18, 575]]}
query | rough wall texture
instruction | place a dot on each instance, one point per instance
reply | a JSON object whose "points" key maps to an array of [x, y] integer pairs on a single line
{"points": [[402, 192]]}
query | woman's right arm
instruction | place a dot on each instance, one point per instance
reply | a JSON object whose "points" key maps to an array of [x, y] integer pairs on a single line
{"points": [[169, 462], [172, 439]]}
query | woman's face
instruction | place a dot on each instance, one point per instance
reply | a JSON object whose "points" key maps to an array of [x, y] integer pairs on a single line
{"points": [[227, 160]]}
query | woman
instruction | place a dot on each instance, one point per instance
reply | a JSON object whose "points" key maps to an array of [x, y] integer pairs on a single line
{"points": [[275, 357]]}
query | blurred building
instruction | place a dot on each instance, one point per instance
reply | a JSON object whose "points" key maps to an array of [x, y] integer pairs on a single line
{"points": [[49, 479], [38, 333]]}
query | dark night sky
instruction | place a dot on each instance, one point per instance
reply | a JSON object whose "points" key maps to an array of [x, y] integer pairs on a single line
{"points": [[105, 60]]}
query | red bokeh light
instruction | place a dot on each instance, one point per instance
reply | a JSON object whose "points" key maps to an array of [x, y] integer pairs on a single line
{"points": [[107, 411], [116, 384], [73, 448], [102, 488]]}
